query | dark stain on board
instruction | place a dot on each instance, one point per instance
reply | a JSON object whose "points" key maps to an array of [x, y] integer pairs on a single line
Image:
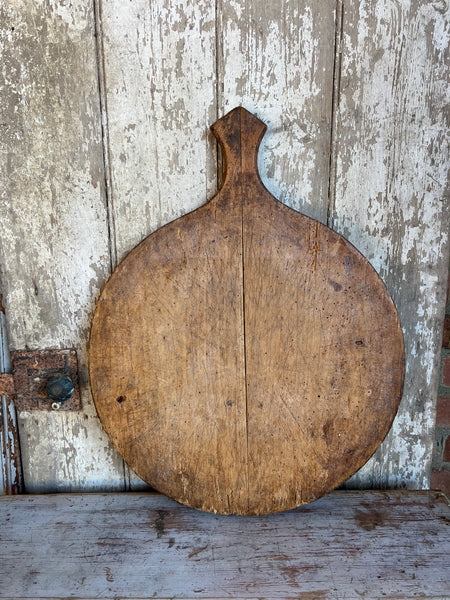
{"points": [[337, 287], [159, 523], [371, 519]]}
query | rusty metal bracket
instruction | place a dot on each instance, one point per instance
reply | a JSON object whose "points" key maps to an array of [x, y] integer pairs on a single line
{"points": [[7, 384], [32, 370]]}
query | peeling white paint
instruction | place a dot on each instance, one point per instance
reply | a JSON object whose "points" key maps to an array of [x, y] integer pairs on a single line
{"points": [[391, 178], [54, 254], [170, 68], [160, 92], [276, 63]]}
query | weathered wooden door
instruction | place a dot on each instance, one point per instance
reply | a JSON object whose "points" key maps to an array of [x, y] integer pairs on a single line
{"points": [[104, 123]]}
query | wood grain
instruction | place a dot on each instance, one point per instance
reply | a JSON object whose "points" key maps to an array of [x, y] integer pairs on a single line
{"points": [[348, 545], [158, 83], [53, 232], [245, 358], [276, 60], [177, 328], [391, 197], [161, 61]]}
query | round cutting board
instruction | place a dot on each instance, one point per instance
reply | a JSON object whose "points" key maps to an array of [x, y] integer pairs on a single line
{"points": [[245, 358]]}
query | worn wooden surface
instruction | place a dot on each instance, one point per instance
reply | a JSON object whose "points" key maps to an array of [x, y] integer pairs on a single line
{"points": [[173, 67], [346, 546], [391, 196], [169, 69], [276, 60], [245, 359], [54, 252]]}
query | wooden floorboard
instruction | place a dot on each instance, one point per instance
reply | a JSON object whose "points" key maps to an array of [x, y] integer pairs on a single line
{"points": [[346, 546]]}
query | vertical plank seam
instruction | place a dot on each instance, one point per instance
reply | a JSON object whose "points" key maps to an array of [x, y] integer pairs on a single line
{"points": [[335, 97], [11, 457], [216, 19], [4, 463], [243, 311], [104, 125], [106, 157], [219, 63]]}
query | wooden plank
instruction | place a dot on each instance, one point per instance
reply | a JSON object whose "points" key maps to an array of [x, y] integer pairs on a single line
{"points": [[54, 252], [159, 96], [390, 197], [348, 545], [276, 60], [324, 355], [158, 66]]}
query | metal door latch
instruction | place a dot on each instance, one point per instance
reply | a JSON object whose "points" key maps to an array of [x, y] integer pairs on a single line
{"points": [[43, 380]]}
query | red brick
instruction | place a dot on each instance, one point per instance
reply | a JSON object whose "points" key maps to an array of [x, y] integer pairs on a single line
{"points": [[446, 453], [446, 334], [440, 480], [446, 371], [443, 412]]}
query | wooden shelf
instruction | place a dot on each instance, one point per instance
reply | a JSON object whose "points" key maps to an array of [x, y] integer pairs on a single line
{"points": [[345, 546]]}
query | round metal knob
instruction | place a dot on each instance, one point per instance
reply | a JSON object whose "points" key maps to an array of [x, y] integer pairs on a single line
{"points": [[60, 388]]}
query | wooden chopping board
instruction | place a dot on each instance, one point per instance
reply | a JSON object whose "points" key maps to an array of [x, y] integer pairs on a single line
{"points": [[245, 358]]}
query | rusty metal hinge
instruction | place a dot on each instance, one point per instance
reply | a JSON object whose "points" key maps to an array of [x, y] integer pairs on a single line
{"points": [[43, 380]]}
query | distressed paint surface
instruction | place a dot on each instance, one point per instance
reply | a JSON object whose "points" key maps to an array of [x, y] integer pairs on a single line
{"points": [[53, 236], [171, 68], [167, 70], [391, 199], [158, 61], [158, 94], [346, 546], [276, 60]]}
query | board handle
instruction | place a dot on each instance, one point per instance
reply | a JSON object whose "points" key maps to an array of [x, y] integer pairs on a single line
{"points": [[239, 133]]}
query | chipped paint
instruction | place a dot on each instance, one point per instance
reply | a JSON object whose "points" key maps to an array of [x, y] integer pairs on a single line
{"points": [[54, 253], [168, 69], [390, 190], [276, 61], [160, 87]]}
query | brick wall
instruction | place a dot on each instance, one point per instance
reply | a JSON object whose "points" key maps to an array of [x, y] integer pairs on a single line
{"points": [[440, 474]]}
